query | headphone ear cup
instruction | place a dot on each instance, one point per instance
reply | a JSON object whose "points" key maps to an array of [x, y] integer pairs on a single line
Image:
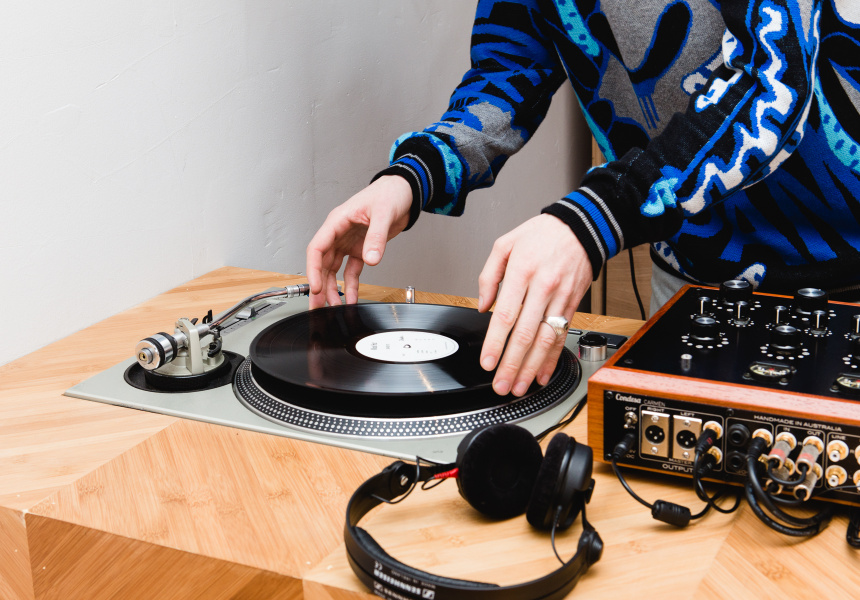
{"points": [[497, 468], [564, 474]]}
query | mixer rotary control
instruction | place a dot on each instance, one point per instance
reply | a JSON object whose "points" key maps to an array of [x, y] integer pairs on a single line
{"points": [[808, 300], [704, 329], [740, 314], [781, 315], [819, 323], [735, 290], [785, 340], [704, 333]]}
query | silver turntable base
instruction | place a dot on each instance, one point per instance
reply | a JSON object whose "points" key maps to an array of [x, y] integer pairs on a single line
{"points": [[221, 406]]}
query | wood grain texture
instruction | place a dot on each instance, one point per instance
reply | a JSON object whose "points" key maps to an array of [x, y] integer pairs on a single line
{"points": [[16, 581], [71, 562], [264, 501], [437, 531], [107, 502]]}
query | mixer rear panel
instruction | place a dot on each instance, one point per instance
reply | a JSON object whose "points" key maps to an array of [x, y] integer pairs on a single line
{"points": [[745, 362]]}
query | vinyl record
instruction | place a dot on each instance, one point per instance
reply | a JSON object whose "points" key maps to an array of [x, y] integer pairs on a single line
{"points": [[377, 349]]}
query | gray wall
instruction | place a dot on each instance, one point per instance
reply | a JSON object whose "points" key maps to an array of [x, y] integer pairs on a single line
{"points": [[145, 143]]}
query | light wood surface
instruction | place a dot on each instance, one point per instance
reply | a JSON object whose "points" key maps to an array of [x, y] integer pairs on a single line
{"points": [[98, 501]]}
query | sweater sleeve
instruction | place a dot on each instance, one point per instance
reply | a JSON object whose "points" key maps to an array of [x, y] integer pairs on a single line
{"points": [[736, 130], [492, 113]]}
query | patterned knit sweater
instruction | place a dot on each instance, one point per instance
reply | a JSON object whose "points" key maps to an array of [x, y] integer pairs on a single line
{"points": [[731, 130]]}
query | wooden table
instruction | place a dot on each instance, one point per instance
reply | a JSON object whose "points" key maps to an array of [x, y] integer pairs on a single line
{"points": [[98, 501]]}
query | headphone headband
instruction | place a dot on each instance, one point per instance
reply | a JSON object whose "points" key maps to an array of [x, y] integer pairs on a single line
{"points": [[387, 577]]}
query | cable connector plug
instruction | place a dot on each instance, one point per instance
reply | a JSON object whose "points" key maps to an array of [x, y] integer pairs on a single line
{"points": [[706, 440], [623, 447]]}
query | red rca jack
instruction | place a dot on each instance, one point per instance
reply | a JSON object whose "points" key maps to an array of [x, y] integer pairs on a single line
{"points": [[716, 428], [785, 443], [809, 453]]}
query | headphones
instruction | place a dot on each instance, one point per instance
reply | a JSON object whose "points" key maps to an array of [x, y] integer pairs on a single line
{"points": [[500, 471]]}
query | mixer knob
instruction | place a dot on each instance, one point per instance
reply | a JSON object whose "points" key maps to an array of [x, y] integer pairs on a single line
{"points": [[781, 316], [855, 335], [819, 322], [808, 300], [704, 329], [785, 340], [741, 313], [735, 290]]}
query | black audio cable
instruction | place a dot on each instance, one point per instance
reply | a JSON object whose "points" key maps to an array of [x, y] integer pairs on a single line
{"points": [[563, 423], [702, 467], [852, 535], [756, 497], [635, 286], [667, 512], [852, 532], [773, 465]]}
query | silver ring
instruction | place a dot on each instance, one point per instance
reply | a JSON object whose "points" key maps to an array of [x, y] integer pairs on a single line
{"points": [[558, 324]]}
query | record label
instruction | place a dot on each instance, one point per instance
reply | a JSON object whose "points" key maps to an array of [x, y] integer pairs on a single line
{"points": [[406, 346]]}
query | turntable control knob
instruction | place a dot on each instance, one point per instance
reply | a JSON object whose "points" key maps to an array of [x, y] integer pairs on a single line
{"points": [[785, 339], [592, 347], [704, 329], [808, 300], [735, 290]]}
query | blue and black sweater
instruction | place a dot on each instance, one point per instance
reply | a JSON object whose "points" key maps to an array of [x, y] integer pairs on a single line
{"points": [[732, 130]]}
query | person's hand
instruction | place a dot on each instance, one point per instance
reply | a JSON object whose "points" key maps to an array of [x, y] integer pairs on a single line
{"points": [[546, 272], [356, 230]]}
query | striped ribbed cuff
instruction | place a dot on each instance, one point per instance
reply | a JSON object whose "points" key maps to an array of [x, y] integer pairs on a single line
{"points": [[414, 181], [593, 224]]}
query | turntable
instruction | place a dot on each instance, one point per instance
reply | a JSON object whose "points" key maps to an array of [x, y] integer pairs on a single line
{"points": [[397, 379]]}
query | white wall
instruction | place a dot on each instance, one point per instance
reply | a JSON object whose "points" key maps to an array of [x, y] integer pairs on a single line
{"points": [[145, 143]]}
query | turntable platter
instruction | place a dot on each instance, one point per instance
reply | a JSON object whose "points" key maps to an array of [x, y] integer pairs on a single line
{"points": [[377, 349], [317, 370]]}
